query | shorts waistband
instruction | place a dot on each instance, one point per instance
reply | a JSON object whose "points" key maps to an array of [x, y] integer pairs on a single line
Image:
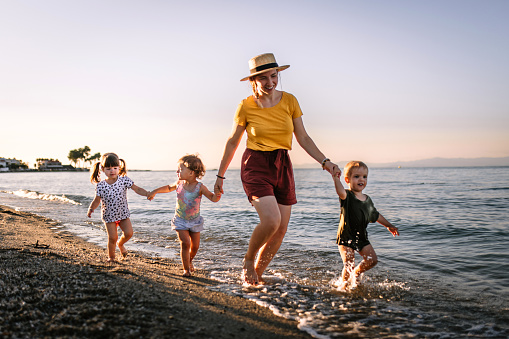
{"points": [[279, 157], [275, 153]]}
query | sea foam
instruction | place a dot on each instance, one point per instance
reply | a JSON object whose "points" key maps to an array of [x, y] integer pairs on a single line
{"points": [[42, 196]]}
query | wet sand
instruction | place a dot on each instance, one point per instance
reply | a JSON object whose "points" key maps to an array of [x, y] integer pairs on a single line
{"points": [[53, 284]]}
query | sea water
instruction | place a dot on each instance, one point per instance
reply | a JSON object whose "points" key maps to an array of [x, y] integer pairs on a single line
{"points": [[445, 276]]}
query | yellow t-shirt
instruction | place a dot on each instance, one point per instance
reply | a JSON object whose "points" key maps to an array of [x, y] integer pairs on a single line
{"points": [[269, 128]]}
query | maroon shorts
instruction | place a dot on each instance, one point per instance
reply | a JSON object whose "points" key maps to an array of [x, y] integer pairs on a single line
{"points": [[268, 173]]}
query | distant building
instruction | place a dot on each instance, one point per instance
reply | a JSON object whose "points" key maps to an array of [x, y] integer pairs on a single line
{"points": [[6, 164], [49, 164], [3, 165]]}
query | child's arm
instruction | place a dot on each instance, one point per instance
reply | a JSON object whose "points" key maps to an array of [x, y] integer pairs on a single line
{"points": [[340, 190], [162, 189], [93, 205], [394, 230], [139, 190], [214, 197]]}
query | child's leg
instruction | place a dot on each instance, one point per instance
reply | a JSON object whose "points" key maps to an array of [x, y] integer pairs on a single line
{"points": [[185, 246], [195, 245], [111, 229], [127, 232], [348, 257], [369, 260]]}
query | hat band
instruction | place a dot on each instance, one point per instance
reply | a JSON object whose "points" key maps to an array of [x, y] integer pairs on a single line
{"points": [[264, 67]]}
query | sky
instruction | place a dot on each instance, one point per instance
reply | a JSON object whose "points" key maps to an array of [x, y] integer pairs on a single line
{"points": [[379, 81]]}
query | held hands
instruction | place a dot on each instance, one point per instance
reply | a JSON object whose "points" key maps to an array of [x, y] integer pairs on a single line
{"points": [[89, 212], [218, 187], [336, 172], [217, 196], [151, 195], [331, 167]]}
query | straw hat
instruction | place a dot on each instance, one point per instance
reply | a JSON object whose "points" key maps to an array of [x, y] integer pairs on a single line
{"points": [[263, 63]]}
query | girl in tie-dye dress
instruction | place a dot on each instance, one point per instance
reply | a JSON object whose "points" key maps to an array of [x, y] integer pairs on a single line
{"points": [[187, 220]]}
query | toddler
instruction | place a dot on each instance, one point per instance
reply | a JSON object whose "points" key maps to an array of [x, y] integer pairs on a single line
{"points": [[187, 220], [357, 210]]}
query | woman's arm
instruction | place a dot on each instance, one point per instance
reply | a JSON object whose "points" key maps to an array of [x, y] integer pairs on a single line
{"points": [[93, 205], [229, 151], [309, 145]]}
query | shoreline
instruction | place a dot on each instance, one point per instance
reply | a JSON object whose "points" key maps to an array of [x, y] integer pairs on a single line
{"points": [[55, 284]]}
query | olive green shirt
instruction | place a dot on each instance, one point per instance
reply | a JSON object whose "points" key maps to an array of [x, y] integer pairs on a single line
{"points": [[355, 217]]}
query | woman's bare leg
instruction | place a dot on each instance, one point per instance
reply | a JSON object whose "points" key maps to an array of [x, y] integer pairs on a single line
{"points": [[271, 247], [270, 220]]}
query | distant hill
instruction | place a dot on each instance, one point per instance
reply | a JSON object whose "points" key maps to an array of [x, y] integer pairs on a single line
{"points": [[448, 162], [434, 162]]}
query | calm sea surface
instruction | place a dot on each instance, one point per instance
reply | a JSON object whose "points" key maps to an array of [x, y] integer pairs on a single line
{"points": [[446, 276]]}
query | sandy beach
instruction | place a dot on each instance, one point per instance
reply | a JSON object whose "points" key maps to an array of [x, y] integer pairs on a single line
{"points": [[53, 284]]}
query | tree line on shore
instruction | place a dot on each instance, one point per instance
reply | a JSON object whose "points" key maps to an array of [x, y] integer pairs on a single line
{"points": [[82, 156], [79, 157]]}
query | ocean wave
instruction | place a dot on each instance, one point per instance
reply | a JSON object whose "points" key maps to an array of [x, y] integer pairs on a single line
{"points": [[42, 196]]}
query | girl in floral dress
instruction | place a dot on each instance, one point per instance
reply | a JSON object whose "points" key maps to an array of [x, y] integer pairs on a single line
{"points": [[111, 192]]}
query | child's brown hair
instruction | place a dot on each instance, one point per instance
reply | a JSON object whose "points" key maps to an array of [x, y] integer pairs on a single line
{"points": [[353, 164], [194, 163], [107, 160]]}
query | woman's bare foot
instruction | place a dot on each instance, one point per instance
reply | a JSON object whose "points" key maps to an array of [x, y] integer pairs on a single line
{"points": [[186, 273], [111, 261], [191, 267], [248, 272]]}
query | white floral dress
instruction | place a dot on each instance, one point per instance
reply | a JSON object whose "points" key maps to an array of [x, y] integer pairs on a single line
{"points": [[114, 199]]}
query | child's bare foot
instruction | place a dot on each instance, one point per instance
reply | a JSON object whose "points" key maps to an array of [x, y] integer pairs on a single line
{"points": [[342, 285], [354, 281], [186, 273], [123, 251], [248, 272]]}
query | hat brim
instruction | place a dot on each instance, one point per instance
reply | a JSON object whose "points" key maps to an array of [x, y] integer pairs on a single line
{"points": [[279, 68]]}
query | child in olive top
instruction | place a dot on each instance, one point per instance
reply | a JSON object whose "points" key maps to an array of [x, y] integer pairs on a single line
{"points": [[357, 211]]}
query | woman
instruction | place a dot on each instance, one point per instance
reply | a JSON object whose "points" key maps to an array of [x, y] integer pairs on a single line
{"points": [[270, 118]]}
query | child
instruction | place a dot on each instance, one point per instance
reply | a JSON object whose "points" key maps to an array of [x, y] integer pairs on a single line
{"points": [[112, 193], [357, 210], [187, 220]]}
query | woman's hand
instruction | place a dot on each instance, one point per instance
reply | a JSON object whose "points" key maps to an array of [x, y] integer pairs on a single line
{"points": [[218, 187], [336, 172], [332, 168]]}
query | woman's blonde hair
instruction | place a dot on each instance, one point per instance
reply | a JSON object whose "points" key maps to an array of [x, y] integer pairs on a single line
{"points": [[352, 165], [107, 160], [194, 163]]}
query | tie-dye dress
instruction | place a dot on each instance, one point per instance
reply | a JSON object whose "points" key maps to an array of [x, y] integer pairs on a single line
{"points": [[187, 210]]}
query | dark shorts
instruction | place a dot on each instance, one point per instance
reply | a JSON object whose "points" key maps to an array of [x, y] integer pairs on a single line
{"points": [[268, 174], [356, 245]]}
